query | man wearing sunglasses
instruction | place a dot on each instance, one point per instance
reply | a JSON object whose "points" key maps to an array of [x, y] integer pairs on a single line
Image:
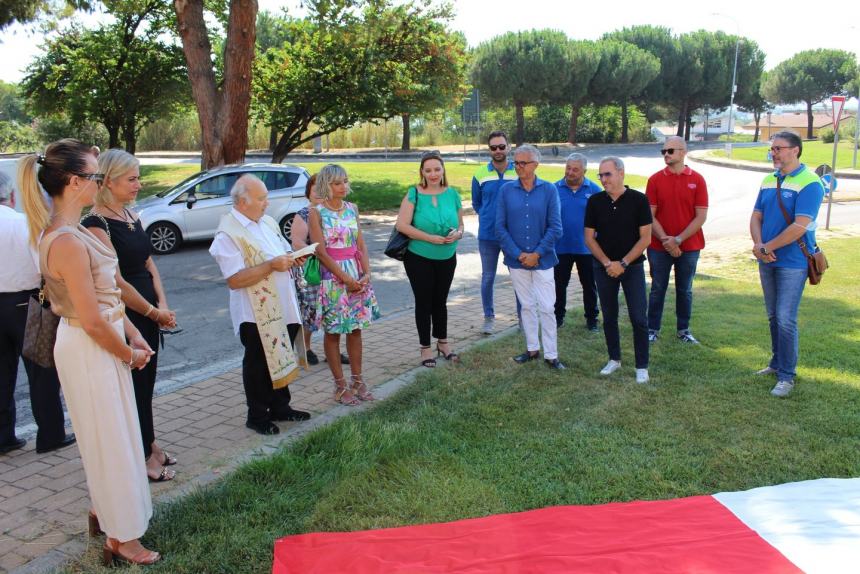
{"points": [[679, 204], [528, 225], [785, 212], [485, 191]]}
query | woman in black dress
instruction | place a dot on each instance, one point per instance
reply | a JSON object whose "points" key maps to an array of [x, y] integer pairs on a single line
{"points": [[146, 304]]}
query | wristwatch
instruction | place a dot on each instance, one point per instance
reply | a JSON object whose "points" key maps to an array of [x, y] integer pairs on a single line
{"points": [[623, 264], [763, 250]]}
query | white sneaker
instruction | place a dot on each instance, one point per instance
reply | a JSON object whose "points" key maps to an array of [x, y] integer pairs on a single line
{"points": [[610, 367], [782, 388], [489, 325], [642, 376]]}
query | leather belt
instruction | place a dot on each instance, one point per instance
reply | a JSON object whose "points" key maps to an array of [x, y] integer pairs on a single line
{"points": [[109, 315]]}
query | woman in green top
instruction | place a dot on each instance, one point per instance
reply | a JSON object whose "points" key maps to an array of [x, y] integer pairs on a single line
{"points": [[431, 215]]}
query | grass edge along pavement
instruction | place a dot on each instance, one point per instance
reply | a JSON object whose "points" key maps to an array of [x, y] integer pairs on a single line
{"points": [[489, 437], [376, 185]]}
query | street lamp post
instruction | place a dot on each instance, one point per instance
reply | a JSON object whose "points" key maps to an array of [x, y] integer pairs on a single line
{"points": [[734, 78]]}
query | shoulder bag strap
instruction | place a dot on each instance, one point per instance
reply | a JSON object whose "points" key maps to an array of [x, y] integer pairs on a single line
{"points": [[788, 220]]}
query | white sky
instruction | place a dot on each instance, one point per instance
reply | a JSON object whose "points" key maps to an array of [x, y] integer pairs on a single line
{"points": [[780, 28]]}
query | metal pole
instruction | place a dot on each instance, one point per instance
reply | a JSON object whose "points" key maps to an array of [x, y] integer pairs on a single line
{"points": [[832, 180], [734, 88], [856, 134]]}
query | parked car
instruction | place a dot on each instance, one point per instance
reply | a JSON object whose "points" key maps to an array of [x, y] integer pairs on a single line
{"points": [[193, 208]]}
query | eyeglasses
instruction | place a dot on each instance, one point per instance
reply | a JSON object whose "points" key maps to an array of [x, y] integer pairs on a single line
{"points": [[669, 151], [500, 147], [777, 148], [99, 178], [523, 163], [603, 174]]}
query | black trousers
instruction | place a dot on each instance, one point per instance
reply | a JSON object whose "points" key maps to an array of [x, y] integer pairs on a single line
{"points": [[44, 383], [585, 270], [261, 398], [431, 280]]}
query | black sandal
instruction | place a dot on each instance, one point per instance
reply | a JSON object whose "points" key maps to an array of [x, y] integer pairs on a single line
{"points": [[429, 363], [164, 476], [168, 460], [452, 356]]}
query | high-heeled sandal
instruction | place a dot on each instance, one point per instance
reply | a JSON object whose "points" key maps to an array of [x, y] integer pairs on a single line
{"points": [[168, 460], [111, 553], [343, 395], [451, 356], [429, 363], [93, 524], [360, 390]]}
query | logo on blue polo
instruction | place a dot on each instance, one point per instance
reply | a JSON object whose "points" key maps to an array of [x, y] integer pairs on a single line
{"points": [[787, 194]]}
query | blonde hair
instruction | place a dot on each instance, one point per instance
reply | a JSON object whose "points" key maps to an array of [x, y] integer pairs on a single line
{"points": [[327, 175], [114, 163], [62, 160]]}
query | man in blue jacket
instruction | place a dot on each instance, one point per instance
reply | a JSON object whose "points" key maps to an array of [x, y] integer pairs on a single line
{"points": [[485, 190], [528, 225]]}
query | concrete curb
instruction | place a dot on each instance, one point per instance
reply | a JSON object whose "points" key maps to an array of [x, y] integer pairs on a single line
{"points": [[702, 157]]}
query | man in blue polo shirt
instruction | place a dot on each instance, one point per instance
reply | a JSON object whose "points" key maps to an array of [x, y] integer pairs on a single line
{"points": [[785, 212], [573, 193], [528, 225], [485, 190]]}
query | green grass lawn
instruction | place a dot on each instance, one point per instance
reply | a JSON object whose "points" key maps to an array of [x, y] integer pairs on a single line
{"points": [[491, 437], [814, 154], [376, 185]]}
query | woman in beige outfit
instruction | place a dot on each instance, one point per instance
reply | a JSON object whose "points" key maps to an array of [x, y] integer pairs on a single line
{"points": [[93, 360]]}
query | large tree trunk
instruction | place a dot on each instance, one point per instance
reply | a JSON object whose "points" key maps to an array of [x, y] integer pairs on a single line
{"points": [[273, 138], [406, 132], [129, 134], [223, 113], [809, 132], [757, 117], [625, 122], [574, 120], [682, 116], [688, 126], [113, 135], [520, 136]]}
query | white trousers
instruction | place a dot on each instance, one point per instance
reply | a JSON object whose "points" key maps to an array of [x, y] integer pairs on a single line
{"points": [[100, 397], [536, 292]]}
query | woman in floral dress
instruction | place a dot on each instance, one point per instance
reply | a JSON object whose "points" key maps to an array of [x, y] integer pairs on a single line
{"points": [[347, 301]]}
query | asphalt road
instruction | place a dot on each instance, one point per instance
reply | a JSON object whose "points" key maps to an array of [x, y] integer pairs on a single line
{"points": [[195, 289]]}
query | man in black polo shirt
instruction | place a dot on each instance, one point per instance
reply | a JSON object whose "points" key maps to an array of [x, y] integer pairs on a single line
{"points": [[617, 231]]}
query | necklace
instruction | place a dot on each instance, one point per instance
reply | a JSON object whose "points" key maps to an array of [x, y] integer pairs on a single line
{"points": [[337, 209], [123, 217]]}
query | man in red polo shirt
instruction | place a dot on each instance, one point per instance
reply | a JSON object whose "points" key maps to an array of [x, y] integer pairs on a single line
{"points": [[679, 204]]}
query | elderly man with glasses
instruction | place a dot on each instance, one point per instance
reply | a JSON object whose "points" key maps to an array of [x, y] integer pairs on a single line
{"points": [[617, 231], [485, 191], [528, 225], [679, 205], [784, 215]]}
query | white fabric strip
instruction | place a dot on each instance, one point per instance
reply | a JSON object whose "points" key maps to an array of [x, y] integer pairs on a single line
{"points": [[814, 523]]}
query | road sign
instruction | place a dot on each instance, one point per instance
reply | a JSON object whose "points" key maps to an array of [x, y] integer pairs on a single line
{"points": [[838, 103], [825, 181]]}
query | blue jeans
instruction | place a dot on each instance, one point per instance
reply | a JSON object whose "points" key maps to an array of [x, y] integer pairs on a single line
{"points": [[782, 289], [489, 252], [632, 281], [661, 264]]}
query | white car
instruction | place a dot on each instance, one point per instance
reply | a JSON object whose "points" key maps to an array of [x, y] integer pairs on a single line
{"points": [[193, 208]]}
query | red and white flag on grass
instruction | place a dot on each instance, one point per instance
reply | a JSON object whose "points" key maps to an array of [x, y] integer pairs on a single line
{"points": [[811, 526]]}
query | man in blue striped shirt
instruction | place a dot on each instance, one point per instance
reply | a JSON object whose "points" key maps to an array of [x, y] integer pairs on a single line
{"points": [[528, 225]]}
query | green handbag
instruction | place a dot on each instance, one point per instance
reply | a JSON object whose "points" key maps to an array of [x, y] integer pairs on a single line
{"points": [[312, 271]]}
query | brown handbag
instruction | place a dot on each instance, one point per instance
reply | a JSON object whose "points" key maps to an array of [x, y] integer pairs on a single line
{"points": [[816, 263], [40, 334]]}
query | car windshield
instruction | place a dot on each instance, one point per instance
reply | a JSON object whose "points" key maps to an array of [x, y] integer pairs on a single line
{"points": [[170, 190]]}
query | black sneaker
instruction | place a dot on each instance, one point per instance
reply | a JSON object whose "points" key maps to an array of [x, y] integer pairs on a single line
{"points": [[312, 358], [555, 364], [14, 444], [592, 327], [526, 357], [264, 428], [686, 336], [291, 415]]}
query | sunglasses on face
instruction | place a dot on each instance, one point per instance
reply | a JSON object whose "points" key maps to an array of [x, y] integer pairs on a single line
{"points": [[777, 148], [668, 151], [523, 163], [604, 174], [99, 178], [500, 147]]}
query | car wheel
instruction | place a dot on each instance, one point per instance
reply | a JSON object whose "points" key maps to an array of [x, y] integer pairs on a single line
{"points": [[164, 237], [287, 226]]}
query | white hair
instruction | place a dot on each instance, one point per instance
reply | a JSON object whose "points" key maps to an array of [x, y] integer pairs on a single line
{"points": [[529, 149], [240, 188], [619, 165], [578, 157]]}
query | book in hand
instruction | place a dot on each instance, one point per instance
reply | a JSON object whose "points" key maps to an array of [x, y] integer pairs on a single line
{"points": [[304, 251]]}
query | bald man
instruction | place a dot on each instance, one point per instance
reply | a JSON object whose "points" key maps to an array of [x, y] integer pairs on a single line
{"points": [[678, 197]]}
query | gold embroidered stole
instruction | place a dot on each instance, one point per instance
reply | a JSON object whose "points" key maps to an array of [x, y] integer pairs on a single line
{"points": [[266, 305]]}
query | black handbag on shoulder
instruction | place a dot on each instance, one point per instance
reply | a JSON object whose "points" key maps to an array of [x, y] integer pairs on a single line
{"points": [[397, 242]]}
